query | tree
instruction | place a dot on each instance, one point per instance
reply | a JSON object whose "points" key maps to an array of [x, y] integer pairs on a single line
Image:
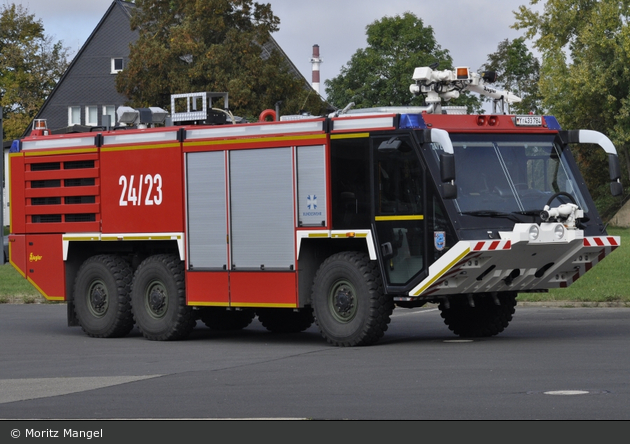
{"points": [[380, 74], [30, 66], [585, 76], [518, 71], [211, 45]]}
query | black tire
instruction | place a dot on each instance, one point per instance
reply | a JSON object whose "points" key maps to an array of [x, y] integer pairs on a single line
{"points": [[285, 320], [348, 301], [158, 299], [220, 319], [101, 297], [485, 319]]}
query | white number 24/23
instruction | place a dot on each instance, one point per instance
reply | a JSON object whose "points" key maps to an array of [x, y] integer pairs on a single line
{"points": [[133, 194]]}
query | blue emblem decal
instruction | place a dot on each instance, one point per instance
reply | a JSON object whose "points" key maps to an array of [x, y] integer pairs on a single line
{"points": [[311, 202], [439, 240]]}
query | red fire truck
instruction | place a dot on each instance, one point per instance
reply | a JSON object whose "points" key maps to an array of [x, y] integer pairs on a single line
{"points": [[335, 219]]}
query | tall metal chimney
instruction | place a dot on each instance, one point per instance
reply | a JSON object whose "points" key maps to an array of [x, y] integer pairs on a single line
{"points": [[315, 61]]}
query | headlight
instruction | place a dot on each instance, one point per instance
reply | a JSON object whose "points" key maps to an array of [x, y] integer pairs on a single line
{"points": [[534, 231], [559, 231]]}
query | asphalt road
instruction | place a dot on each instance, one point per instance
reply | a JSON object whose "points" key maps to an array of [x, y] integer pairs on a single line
{"points": [[549, 364]]}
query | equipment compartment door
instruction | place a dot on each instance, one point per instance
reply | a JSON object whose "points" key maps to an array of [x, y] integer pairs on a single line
{"points": [[207, 211], [262, 210], [262, 236], [311, 174], [206, 192]]}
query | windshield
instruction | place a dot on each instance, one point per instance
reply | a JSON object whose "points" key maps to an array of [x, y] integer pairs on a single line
{"points": [[510, 173]]}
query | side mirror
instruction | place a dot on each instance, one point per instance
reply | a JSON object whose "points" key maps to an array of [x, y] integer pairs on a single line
{"points": [[614, 167], [449, 191], [447, 167], [615, 174]]}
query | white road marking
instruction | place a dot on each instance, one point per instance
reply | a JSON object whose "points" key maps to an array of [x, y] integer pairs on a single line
{"points": [[567, 392]]}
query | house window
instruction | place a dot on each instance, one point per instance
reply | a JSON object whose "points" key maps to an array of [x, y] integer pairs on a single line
{"points": [[74, 115], [91, 115], [110, 110], [117, 65]]}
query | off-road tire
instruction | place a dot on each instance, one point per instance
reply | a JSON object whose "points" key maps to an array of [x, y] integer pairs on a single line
{"points": [[285, 320], [158, 299], [349, 304], [220, 319], [101, 296], [485, 319]]}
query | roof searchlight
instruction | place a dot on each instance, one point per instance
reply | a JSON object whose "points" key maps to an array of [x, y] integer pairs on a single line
{"points": [[448, 84]]}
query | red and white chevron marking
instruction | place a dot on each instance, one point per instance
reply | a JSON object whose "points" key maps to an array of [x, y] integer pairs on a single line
{"points": [[608, 245], [601, 241], [493, 245]]}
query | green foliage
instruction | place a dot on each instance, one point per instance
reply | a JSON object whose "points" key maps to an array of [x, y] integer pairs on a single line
{"points": [[211, 45], [30, 66], [15, 289], [585, 75], [518, 71], [380, 74]]}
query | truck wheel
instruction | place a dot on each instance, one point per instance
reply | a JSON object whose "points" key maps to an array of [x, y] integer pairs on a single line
{"points": [[484, 319], [101, 296], [158, 299], [220, 319], [349, 305], [284, 320]]}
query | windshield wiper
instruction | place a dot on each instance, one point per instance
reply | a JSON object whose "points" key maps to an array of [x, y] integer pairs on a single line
{"points": [[533, 213], [490, 213]]}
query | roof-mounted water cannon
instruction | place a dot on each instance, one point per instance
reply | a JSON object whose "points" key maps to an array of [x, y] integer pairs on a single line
{"points": [[448, 84], [567, 213]]}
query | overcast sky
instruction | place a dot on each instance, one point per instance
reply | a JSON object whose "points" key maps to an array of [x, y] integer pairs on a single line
{"points": [[470, 30]]}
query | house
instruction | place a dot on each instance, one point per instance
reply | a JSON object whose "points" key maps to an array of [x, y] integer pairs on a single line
{"points": [[87, 91]]}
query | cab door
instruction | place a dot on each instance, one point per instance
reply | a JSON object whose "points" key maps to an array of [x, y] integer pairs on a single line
{"points": [[399, 209]]}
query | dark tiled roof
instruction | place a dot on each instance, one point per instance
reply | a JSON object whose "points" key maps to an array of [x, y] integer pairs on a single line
{"points": [[88, 81]]}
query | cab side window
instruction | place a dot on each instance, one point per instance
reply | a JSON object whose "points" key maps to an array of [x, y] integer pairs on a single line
{"points": [[350, 182]]}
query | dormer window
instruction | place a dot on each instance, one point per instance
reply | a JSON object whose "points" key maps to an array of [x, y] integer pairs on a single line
{"points": [[117, 65]]}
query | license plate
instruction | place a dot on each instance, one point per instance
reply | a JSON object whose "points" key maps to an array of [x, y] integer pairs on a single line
{"points": [[528, 121]]}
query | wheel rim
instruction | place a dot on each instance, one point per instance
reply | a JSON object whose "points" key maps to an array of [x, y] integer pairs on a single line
{"points": [[97, 299], [156, 299], [342, 301]]}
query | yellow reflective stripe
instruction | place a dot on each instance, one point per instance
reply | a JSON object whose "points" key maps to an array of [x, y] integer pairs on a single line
{"points": [[390, 218], [318, 235], [209, 304], [345, 235], [38, 152], [50, 298], [441, 273], [258, 304], [257, 140], [350, 136]]}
